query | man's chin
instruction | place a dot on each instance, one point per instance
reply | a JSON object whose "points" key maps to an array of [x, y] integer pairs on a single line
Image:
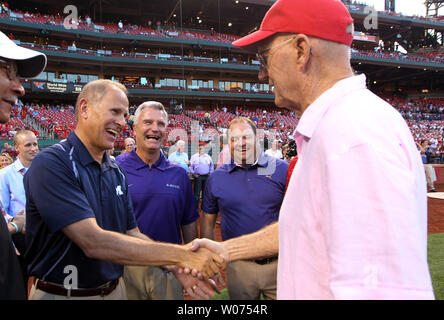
{"points": [[5, 116]]}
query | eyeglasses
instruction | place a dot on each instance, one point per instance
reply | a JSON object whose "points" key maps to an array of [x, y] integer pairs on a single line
{"points": [[262, 57], [10, 67]]}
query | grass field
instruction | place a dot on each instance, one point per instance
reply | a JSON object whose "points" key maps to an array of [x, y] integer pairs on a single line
{"points": [[436, 265]]}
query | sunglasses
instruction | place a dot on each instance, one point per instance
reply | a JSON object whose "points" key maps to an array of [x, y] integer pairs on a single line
{"points": [[10, 67]]}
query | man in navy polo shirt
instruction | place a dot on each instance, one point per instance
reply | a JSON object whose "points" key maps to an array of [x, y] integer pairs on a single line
{"points": [[248, 193], [81, 228], [163, 204]]}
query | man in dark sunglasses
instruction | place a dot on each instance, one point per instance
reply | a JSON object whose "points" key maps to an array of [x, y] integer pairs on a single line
{"points": [[15, 62]]}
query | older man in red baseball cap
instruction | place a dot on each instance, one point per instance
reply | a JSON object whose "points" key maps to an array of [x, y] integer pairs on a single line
{"points": [[353, 221]]}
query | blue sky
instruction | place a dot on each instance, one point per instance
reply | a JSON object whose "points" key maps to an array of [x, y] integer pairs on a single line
{"points": [[407, 7]]}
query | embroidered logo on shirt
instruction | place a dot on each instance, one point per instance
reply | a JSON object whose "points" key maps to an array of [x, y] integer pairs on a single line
{"points": [[119, 190], [173, 186]]}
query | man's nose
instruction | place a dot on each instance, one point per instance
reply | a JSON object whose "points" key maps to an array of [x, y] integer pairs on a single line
{"points": [[17, 87], [262, 75]]}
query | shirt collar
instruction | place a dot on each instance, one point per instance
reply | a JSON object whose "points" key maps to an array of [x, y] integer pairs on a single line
{"points": [[138, 163], [315, 112], [18, 165], [83, 154], [261, 161]]}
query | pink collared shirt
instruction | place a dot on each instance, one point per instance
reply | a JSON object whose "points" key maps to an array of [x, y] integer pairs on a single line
{"points": [[353, 224]]}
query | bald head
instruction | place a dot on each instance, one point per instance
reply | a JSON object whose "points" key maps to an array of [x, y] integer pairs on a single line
{"points": [[94, 92], [301, 68]]}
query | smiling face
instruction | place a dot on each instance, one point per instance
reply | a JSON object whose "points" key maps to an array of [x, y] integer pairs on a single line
{"points": [[101, 122], [10, 90], [129, 145], [150, 130], [4, 161], [27, 147], [243, 143]]}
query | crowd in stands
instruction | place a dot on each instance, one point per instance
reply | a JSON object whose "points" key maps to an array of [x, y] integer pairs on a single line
{"points": [[158, 29], [358, 6], [436, 56], [431, 57], [425, 117]]}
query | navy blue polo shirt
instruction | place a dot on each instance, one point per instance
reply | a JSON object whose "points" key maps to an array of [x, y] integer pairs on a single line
{"points": [[248, 198], [162, 197], [65, 185]]}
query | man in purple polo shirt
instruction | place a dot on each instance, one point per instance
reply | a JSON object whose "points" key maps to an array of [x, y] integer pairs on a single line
{"points": [[201, 166], [248, 193], [163, 206]]}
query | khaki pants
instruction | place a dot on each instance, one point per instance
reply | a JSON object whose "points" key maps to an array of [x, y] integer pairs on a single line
{"points": [[430, 176], [151, 283], [118, 293], [246, 280]]}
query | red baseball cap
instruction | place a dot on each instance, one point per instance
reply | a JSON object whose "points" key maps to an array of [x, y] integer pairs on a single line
{"points": [[324, 19]]}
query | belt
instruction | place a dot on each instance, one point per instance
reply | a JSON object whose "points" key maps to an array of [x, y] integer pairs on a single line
{"points": [[60, 290], [265, 260]]}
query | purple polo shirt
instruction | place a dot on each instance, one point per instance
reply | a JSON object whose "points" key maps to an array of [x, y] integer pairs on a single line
{"points": [[248, 198], [201, 164], [121, 156], [162, 197]]}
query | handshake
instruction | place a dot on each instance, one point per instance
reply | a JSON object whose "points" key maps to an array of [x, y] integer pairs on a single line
{"points": [[199, 271], [206, 258]]}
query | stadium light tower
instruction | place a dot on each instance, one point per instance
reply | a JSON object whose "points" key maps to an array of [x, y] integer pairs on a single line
{"points": [[390, 5], [433, 6]]}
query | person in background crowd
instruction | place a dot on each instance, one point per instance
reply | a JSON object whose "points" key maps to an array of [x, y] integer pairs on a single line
{"points": [[129, 146], [274, 151], [12, 192], [179, 156], [224, 155], [201, 166], [5, 160], [426, 156]]}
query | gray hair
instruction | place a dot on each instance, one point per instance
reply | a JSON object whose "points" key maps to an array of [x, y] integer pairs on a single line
{"points": [[152, 105]]}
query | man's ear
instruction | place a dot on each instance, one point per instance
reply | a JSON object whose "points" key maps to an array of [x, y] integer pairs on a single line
{"points": [[83, 107], [302, 44]]}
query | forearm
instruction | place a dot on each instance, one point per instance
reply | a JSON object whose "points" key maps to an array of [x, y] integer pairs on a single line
{"points": [[206, 228], [263, 243], [189, 232], [122, 249]]}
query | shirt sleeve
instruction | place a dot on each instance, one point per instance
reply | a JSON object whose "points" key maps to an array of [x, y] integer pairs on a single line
{"points": [[190, 211], [192, 164], [52, 188], [131, 222], [209, 201], [4, 191], [211, 165], [375, 226]]}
